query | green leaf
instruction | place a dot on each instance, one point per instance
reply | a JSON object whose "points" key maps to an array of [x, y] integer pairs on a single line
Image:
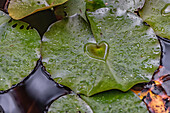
{"points": [[115, 102], [19, 9], [19, 51], [131, 58], [70, 8], [93, 5], [156, 13], [4, 18], [69, 104], [107, 102], [130, 5]]}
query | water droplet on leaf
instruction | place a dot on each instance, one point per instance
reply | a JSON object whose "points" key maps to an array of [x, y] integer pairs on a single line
{"points": [[166, 10]]}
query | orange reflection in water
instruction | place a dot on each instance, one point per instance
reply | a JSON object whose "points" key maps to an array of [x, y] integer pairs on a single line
{"points": [[154, 95]]}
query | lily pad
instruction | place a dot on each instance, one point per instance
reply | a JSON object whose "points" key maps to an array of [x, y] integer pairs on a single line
{"points": [[19, 9], [107, 102], [70, 8], [93, 5], [70, 104], [156, 13], [132, 55], [19, 51], [130, 5]]}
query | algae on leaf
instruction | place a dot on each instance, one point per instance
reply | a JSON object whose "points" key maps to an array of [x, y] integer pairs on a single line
{"points": [[19, 9], [106, 102], [131, 58], [156, 13], [19, 51]]}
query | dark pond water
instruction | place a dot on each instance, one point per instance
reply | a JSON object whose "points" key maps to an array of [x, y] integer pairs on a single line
{"points": [[33, 95], [38, 90], [159, 86], [163, 73]]}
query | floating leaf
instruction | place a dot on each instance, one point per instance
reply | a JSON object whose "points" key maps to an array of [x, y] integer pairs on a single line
{"points": [[70, 8], [19, 51], [132, 54], [156, 13], [130, 5], [107, 102], [93, 5], [19, 9], [70, 104]]}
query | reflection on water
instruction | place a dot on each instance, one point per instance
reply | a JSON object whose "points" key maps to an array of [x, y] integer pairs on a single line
{"points": [[33, 95], [156, 93]]}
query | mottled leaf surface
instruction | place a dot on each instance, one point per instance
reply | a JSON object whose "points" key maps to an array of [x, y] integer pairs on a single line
{"points": [[131, 58], [19, 9], [130, 5], [107, 102], [19, 51], [70, 104], [70, 8], [156, 13]]}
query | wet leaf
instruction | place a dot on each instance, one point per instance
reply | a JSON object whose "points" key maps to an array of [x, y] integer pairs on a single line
{"points": [[70, 8], [19, 9], [107, 102], [93, 5], [156, 13], [131, 58], [70, 104], [130, 5], [19, 51], [115, 101]]}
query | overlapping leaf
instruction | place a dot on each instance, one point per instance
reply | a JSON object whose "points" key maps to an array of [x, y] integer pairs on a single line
{"points": [[131, 58], [116, 52], [19, 51], [70, 8], [21, 8], [106, 102], [70, 104], [157, 14], [130, 5]]}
